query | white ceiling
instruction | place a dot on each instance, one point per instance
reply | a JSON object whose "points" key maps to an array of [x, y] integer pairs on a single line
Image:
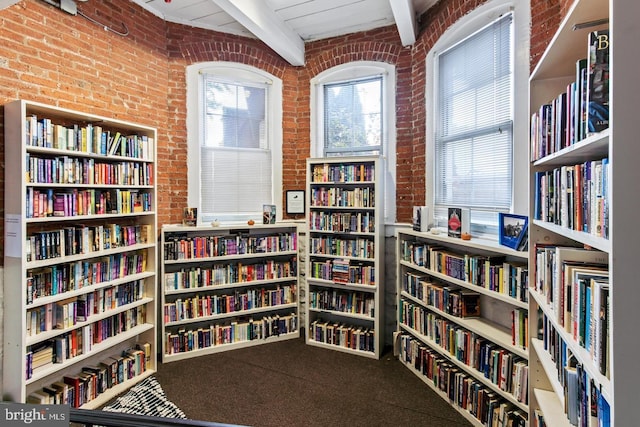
{"points": [[284, 25]]}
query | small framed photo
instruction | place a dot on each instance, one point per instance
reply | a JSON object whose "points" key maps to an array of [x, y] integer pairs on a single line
{"points": [[295, 201], [513, 229]]}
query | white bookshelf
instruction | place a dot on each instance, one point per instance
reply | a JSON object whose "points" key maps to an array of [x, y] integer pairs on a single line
{"points": [[243, 279], [344, 210], [114, 277], [552, 74], [432, 271]]}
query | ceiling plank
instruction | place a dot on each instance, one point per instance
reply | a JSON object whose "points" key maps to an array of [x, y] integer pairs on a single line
{"points": [[405, 17], [262, 21]]}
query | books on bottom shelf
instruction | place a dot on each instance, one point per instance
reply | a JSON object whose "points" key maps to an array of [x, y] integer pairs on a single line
{"points": [[184, 340], [469, 396], [91, 381], [342, 335]]}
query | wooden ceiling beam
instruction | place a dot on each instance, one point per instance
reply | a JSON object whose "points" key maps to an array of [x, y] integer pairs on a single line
{"points": [[263, 22], [405, 16]]}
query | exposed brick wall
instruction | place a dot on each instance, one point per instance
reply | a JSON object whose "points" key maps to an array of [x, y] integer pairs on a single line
{"points": [[60, 59], [55, 58]]}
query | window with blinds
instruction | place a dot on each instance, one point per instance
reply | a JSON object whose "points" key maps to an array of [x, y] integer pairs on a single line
{"points": [[353, 117], [235, 154], [474, 125]]}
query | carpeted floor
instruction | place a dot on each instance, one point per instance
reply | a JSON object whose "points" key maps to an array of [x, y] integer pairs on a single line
{"points": [[289, 383]]}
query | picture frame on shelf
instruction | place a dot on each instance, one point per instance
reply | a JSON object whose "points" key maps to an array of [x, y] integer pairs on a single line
{"points": [[512, 229], [295, 202]]}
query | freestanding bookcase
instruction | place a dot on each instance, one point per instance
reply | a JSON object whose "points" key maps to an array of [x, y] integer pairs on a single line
{"points": [[227, 287], [612, 388], [80, 255], [462, 322], [345, 247]]}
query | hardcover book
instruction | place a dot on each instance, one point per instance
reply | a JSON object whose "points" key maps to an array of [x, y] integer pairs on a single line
{"points": [[458, 222], [598, 81], [268, 214], [420, 218], [190, 216]]}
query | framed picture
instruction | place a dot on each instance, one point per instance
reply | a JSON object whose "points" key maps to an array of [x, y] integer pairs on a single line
{"points": [[295, 201], [513, 229]]}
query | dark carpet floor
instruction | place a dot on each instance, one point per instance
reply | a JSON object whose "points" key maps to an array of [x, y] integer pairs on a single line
{"points": [[289, 383]]}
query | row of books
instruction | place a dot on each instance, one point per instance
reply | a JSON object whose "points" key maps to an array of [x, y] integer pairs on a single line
{"points": [[575, 197], [100, 300], [343, 271], [342, 222], [342, 335], [362, 303], [74, 202], [43, 132], [84, 239], [79, 341], [230, 274], [462, 390], [337, 246], [343, 172], [201, 306], [58, 279], [584, 403], [183, 246], [493, 273], [185, 340], [68, 313], [575, 283], [334, 197], [582, 109], [456, 340], [84, 171], [450, 299], [91, 381]]}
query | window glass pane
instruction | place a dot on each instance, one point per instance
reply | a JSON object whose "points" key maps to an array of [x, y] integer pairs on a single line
{"points": [[234, 115], [474, 134], [235, 159], [353, 117]]}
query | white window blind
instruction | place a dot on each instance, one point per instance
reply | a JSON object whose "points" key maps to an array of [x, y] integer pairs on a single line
{"points": [[235, 157], [353, 117], [474, 126]]}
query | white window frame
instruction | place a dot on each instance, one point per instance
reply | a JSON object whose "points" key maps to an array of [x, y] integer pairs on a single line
{"points": [[359, 70], [463, 28], [240, 73]]}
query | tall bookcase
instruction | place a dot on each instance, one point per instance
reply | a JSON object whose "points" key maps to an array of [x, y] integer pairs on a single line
{"points": [[227, 287], [80, 255], [612, 390], [462, 322], [345, 248]]}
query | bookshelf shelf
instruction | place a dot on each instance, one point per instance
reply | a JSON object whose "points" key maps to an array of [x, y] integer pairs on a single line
{"points": [[83, 278], [227, 287], [345, 247], [442, 393], [477, 375], [434, 272], [588, 328]]}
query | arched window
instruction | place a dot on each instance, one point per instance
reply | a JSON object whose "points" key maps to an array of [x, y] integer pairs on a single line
{"points": [[234, 131], [353, 113]]}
